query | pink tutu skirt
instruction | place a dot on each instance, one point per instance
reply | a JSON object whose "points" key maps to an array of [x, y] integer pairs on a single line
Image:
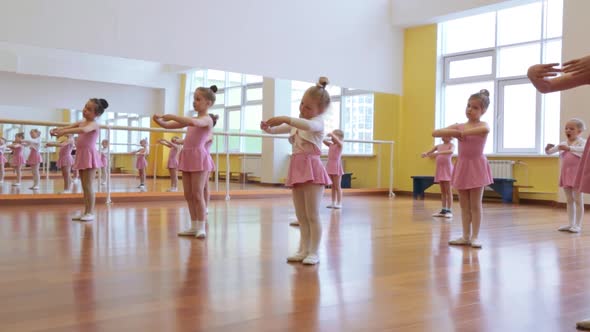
{"points": [[334, 167], [141, 162], [34, 158], [444, 169], [569, 169], [472, 173], [65, 161], [307, 168], [172, 162], [17, 159], [87, 159], [194, 160]]}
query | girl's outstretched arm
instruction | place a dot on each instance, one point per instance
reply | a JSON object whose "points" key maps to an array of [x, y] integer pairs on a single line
{"points": [[429, 152], [551, 149], [165, 143], [451, 131], [303, 124], [82, 129], [186, 121], [335, 139], [481, 130], [327, 142], [279, 129]]}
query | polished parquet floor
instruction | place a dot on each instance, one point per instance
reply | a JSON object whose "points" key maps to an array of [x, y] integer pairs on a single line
{"points": [[385, 266]]}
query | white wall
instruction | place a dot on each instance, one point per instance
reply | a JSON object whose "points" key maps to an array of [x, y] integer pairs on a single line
{"points": [[46, 62], [417, 12], [53, 92], [352, 42], [31, 113]]}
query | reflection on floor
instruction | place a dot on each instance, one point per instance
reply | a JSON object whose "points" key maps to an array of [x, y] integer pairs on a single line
{"points": [[385, 266], [55, 185]]}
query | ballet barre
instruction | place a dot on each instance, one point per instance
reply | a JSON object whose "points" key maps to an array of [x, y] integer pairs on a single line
{"points": [[224, 135]]}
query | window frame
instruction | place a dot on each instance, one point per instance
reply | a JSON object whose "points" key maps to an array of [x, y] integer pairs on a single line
{"points": [[499, 83], [244, 86]]}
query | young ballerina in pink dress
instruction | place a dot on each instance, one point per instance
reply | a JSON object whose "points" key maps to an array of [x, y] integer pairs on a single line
{"points": [[194, 161], [444, 172], [34, 159], [87, 156], [3, 159], [334, 166], [307, 176], [570, 152], [18, 158], [472, 172], [141, 162], [172, 164], [65, 161]]}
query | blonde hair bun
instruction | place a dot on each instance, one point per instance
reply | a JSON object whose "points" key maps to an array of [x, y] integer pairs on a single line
{"points": [[323, 82]]}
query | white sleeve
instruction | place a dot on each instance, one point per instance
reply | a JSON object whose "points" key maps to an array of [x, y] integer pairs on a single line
{"points": [[282, 129], [315, 124], [578, 147]]}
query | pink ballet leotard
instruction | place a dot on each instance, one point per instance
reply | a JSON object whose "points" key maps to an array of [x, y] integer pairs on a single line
{"points": [[472, 169], [141, 162], [65, 158], [208, 147], [34, 154], [334, 164], [87, 156], [305, 165], [444, 165], [194, 157], [569, 169], [173, 157], [18, 159]]}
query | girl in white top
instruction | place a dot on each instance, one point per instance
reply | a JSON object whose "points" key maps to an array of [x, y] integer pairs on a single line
{"points": [[570, 152], [307, 176]]}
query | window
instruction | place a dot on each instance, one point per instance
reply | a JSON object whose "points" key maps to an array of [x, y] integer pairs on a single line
{"points": [[122, 141], [493, 51], [238, 104], [351, 110]]}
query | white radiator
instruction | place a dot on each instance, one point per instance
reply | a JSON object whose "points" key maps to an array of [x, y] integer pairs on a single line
{"points": [[502, 169]]}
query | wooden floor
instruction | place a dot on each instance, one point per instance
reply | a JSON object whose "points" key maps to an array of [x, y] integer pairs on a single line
{"points": [[385, 266]]}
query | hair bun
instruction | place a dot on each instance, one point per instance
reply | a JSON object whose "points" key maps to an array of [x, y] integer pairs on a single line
{"points": [[215, 116], [484, 92], [323, 82], [213, 88], [103, 103]]}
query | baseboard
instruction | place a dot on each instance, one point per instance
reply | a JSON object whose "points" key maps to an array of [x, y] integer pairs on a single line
{"points": [[118, 197]]}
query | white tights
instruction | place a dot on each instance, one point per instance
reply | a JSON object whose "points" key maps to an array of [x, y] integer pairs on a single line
{"points": [[307, 199], [575, 207]]}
